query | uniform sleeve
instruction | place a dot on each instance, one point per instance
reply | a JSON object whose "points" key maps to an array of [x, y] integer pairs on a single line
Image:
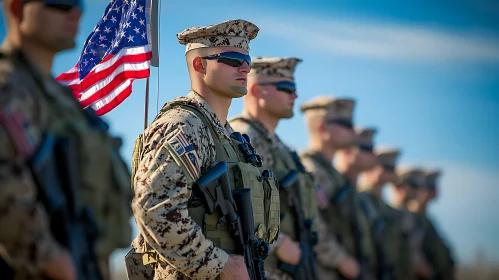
{"points": [[329, 251], [163, 188], [25, 231]]}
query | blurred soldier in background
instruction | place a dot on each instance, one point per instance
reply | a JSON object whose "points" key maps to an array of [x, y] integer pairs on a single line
{"points": [[63, 186]]}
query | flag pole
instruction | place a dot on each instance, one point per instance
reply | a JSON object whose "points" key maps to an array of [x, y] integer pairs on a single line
{"points": [[153, 13], [146, 106]]}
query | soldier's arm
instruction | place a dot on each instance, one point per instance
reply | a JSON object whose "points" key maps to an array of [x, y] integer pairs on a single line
{"points": [[329, 251], [162, 190], [25, 232]]}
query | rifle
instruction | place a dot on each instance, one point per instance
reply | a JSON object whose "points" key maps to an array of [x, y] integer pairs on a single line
{"points": [[306, 268], [55, 171], [346, 197], [214, 189], [378, 227]]}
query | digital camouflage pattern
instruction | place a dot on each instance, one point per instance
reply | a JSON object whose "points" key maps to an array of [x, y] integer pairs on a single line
{"points": [[231, 33], [162, 191], [269, 146], [30, 106], [330, 108], [274, 66], [365, 137], [329, 251]]}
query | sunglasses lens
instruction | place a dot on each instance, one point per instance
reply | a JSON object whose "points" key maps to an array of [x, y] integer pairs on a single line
{"points": [[286, 90], [60, 7], [230, 61]]}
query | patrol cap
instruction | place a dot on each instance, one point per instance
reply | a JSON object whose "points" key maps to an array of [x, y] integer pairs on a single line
{"points": [[364, 137], [274, 66], [387, 157], [333, 109], [231, 33], [431, 177], [413, 176]]}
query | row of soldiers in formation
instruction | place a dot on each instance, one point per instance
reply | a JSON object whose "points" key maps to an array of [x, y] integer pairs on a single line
{"points": [[320, 221], [65, 195]]}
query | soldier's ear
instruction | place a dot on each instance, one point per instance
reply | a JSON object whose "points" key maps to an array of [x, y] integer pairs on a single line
{"points": [[14, 9], [199, 65], [254, 90]]}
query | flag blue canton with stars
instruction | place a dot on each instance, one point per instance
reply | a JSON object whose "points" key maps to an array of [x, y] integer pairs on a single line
{"points": [[123, 25]]}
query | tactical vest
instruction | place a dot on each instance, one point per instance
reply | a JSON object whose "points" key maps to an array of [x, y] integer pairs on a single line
{"points": [[104, 175], [284, 163], [242, 174], [338, 218]]}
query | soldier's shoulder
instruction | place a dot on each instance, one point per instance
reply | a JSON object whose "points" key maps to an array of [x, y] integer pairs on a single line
{"points": [[177, 118], [243, 125]]}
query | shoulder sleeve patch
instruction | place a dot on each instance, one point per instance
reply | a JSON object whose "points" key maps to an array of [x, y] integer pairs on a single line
{"points": [[184, 154]]}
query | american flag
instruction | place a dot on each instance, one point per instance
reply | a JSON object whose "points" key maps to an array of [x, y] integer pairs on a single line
{"points": [[117, 52]]}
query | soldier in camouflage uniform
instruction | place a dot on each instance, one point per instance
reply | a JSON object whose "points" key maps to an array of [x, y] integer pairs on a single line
{"points": [[392, 247], [434, 248], [34, 106], [271, 96], [404, 200], [329, 122], [178, 238], [352, 222]]}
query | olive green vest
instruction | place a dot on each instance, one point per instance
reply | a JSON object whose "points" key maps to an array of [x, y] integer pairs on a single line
{"points": [[104, 176], [265, 196], [284, 163], [339, 221]]}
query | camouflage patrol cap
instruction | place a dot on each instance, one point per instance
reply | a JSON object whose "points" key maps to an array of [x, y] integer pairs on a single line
{"points": [[231, 33], [431, 177], [387, 156], [274, 66], [413, 176], [330, 107], [365, 138]]}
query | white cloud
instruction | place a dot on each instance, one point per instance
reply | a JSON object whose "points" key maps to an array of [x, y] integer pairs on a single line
{"points": [[381, 40]]}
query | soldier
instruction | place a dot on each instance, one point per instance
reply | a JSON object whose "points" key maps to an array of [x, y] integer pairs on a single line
{"points": [[179, 238], [352, 220], [57, 162], [329, 122], [271, 97], [403, 199], [435, 249], [391, 245]]}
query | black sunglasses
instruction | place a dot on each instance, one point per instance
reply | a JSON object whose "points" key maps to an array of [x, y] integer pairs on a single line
{"points": [[366, 148], [344, 123], [234, 59], [60, 5], [388, 168], [285, 86]]}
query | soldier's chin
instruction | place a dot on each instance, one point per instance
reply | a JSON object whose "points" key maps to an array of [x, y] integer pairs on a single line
{"points": [[65, 44], [287, 115], [238, 91]]}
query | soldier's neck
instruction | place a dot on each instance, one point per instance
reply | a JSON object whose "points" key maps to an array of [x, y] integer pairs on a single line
{"points": [[323, 148], [219, 103], [268, 121], [42, 58], [398, 201], [374, 187]]}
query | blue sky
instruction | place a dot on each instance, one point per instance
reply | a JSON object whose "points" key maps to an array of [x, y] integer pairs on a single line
{"points": [[425, 73]]}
